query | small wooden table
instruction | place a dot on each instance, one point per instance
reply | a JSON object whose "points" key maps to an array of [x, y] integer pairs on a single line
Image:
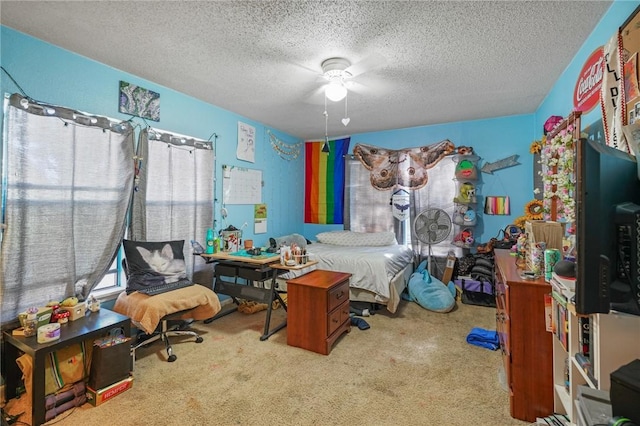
{"points": [[93, 325]]}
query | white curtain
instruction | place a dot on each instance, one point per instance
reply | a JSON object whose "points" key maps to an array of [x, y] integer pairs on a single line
{"points": [[67, 184], [174, 194]]}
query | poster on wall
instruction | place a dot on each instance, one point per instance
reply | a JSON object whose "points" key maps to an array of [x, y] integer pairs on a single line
{"points": [[135, 100], [259, 218], [246, 142]]}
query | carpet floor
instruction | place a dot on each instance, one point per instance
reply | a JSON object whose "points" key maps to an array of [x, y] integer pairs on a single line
{"points": [[411, 368]]}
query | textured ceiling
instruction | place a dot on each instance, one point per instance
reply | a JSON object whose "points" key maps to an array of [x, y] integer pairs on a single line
{"points": [[424, 62]]}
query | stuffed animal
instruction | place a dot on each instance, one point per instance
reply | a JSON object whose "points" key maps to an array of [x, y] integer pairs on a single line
{"points": [[466, 194], [464, 238], [466, 170]]}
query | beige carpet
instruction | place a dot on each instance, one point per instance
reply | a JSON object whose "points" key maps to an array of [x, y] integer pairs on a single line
{"points": [[412, 368]]}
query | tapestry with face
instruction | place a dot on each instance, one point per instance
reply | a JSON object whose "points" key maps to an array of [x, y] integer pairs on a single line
{"points": [[405, 168]]}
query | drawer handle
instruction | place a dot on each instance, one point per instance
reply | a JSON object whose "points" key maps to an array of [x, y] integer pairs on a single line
{"points": [[340, 295]]}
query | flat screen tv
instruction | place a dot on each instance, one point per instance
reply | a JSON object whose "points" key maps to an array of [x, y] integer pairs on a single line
{"points": [[605, 178]]}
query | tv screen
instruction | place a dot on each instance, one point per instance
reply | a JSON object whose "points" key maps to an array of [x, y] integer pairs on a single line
{"points": [[605, 177]]}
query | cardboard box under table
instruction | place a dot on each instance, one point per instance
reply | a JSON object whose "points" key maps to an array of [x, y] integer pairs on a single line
{"points": [[97, 397]]}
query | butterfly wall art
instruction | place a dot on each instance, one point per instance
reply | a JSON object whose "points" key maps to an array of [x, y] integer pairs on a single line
{"points": [[405, 168]]}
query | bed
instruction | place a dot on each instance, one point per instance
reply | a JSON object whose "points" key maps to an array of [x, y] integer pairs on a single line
{"points": [[380, 268]]}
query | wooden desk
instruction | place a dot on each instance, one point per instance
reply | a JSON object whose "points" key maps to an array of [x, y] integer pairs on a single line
{"points": [[93, 325], [255, 270]]}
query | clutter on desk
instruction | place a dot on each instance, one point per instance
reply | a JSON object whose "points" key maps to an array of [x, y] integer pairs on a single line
{"points": [[34, 318], [78, 311], [43, 316], [197, 247], [93, 304], [31, 322], [231, 239], [210, 242], [48, 333], [293, 255], [60, 316]]}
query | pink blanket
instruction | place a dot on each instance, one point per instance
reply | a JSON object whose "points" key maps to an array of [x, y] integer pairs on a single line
{"points": [[145, 311]]}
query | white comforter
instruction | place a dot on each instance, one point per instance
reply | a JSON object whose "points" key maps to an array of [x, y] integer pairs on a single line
{"points": [[371, 268]]}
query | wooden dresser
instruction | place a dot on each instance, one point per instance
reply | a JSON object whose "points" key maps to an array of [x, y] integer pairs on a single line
{"points": [[527, 348], [317, 310]]}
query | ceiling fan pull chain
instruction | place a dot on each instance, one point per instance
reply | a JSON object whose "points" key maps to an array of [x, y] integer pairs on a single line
{"points": [[346, 118]]}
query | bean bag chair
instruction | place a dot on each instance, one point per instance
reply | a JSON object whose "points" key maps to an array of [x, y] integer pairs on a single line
{"points": [[429, 292]]}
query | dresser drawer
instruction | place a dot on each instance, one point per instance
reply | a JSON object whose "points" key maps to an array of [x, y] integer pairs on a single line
{"points": [[337, 317], [337, 295]]}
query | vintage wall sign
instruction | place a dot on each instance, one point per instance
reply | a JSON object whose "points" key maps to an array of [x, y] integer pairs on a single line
{"points": [[586, 94]]}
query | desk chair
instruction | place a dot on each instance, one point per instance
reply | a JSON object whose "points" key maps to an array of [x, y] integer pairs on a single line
{"points": [[163, 333], [151, 314]]}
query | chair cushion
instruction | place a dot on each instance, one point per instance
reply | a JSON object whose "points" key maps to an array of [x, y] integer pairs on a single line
{"points": [[153, 263]]}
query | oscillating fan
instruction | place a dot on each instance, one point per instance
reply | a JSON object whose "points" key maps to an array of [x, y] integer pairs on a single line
{"points": [[432, 226]]}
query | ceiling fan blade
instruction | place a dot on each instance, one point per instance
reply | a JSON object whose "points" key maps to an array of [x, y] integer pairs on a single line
{"points": [[369, 63], [316, 96]]}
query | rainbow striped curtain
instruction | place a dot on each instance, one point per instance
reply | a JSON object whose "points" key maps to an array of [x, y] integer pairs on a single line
{"points": [[324, 182]]}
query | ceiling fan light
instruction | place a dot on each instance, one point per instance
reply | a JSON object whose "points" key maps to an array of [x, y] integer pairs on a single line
{"points": [[335, 91]]}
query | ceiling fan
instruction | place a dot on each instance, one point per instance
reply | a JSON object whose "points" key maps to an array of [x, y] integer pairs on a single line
{"points": [[338, 74]]}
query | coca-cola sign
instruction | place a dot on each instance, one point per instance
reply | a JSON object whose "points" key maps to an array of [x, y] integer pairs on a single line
{"points": [[586, 95]]}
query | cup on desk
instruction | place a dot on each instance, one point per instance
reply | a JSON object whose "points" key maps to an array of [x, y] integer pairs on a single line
{"points": [[248, 244]]}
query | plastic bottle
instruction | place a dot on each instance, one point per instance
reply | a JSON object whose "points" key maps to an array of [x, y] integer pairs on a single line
{"points": [[197, 247], [210, 243]]}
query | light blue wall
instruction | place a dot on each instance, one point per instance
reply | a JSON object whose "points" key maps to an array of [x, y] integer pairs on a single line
{"points": [[559, 101], [57, 76]]}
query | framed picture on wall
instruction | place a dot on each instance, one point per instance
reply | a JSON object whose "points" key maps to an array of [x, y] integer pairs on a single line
{"points": [[135, 100]]}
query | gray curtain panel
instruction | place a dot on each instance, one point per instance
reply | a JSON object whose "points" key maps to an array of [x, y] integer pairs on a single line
{"points": [[174, 192], [369, 209], [439, 193], [67, 184]]}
